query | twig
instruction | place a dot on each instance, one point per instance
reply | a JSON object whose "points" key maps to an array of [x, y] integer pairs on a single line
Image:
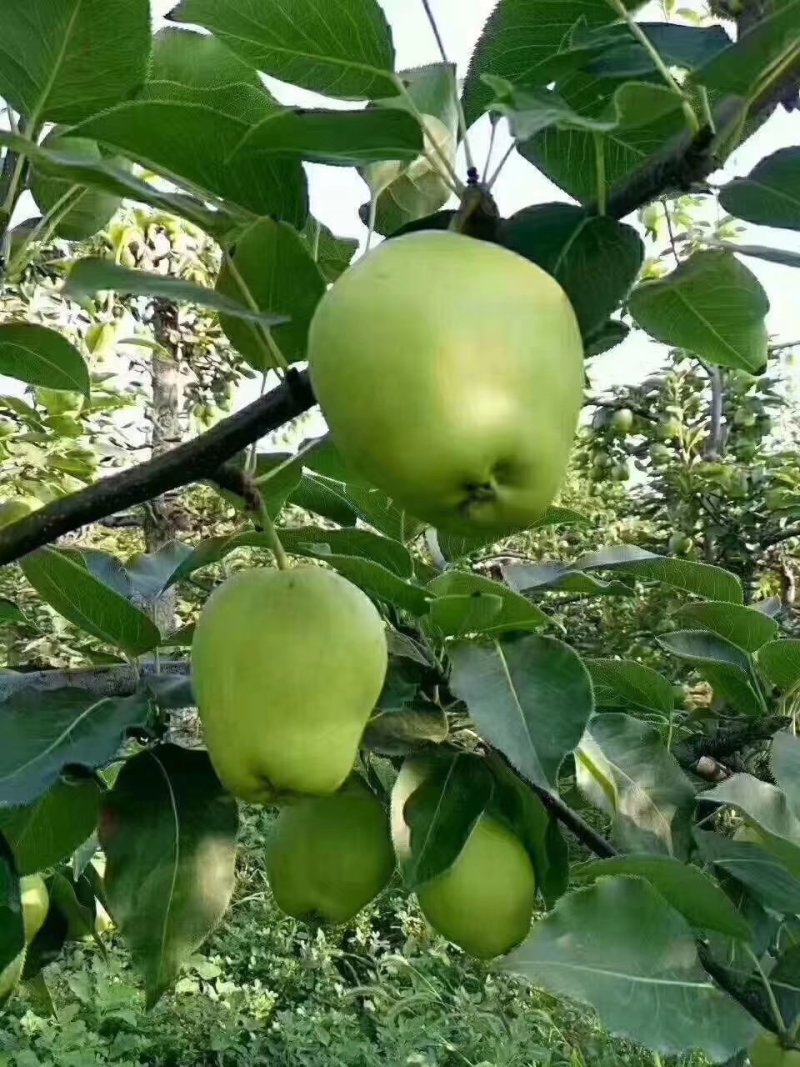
{"points": [[194, 461]]}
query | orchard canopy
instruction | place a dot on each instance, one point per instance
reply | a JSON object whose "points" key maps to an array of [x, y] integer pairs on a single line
{"points": [[409, 538]]}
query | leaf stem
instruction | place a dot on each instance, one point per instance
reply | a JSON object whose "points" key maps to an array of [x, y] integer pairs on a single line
{"points": [[44, 228], [492, 137], [499, 168], [773, 1003], [462, 120]]}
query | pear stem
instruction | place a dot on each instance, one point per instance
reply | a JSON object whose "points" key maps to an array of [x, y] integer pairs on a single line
{"points": [[275, 542]]}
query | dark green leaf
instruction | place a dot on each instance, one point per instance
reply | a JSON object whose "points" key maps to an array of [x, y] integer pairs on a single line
{"points": [[9, 613], [461, 614], [542, 577], [331, 254], [343, 50], [685, 887], [272, 270], [90, 276], [770, 194], [638, 969], [151, 573], [699, 578], [712, 306], [513, 613], [377, 509], [530, 698], [619, 56], [325, 497], [760, 872], [733, 687], [76, 594], [746, 628], [700, 646], [48, 831], [169, 833], [378, 582], [610, 334], [768, 808], [39, 356], [637, 684], [344, 138], [780, 256], [740, 69], [116, 179], [785, 761], [399, 731], [307, 541], [42, 733], [63, 60], [625, 770], [594, 259], [442, 813], [520, 41], [217, 119]]}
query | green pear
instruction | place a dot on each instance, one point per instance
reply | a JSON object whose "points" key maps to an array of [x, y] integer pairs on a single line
{"points": [[286, 667], [484, 902], [450, 372], [327, 857], [767, 1051], [35, 904]]}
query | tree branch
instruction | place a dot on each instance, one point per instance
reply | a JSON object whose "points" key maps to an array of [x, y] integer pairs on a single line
{"points": [[191, 462], [113, 681]]}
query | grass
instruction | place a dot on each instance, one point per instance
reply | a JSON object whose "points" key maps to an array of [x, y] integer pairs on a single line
{"points": [[267, 991]]}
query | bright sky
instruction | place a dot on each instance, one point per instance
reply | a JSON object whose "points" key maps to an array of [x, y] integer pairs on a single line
{"points": [[337, 193]]}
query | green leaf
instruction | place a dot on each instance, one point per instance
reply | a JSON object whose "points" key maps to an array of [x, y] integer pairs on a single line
{"points": [[779, 661], [699, 578], [542, 577], [740, 70], [760, 872], [595, 259], [378, 582], [619, 56], [400, 731], [380, 511], [325, 497], [308, 540], [770, 194], [625, 770], [746, 628], [151, 573], [42, 733], [169, 833], [63, 60], [733, 687], [619, 947], [521, 39], [217, 119], [771, 255], [116, 179], [530, 697], [185, 60], [685, 887], [39, 356], [48, 831], [273, 271], [455, 616], [700, 646], [530, 111], [331, 254], [341, 138], [712, 306], [73, 592], [768, 808], [12, 931], [343, 50], [637, 684], [90, 276], [513, 613], [93, 208], [442, 813]]}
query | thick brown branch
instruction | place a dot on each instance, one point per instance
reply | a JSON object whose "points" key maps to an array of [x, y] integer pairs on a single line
{"points": [[113, 681], [194, 461]]}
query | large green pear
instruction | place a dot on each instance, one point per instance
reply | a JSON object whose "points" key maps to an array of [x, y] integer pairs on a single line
{"points": [[484, 902], [327, 857], [767, 1051], [287, 667], [450, 371]]}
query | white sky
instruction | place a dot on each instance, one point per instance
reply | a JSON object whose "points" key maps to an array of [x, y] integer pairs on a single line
{"points": [[337, 193]]}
